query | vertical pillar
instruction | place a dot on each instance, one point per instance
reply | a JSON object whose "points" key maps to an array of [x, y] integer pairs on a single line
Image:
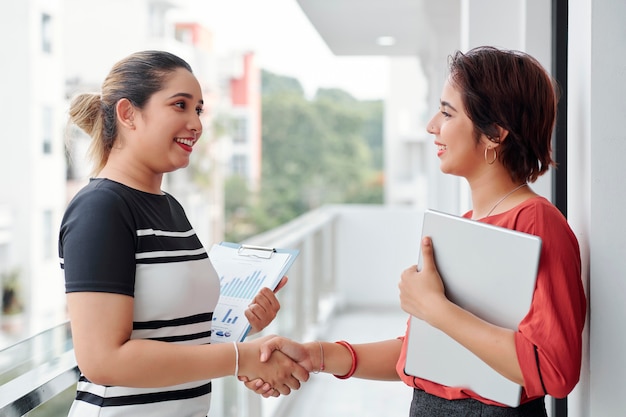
{"points": [[608, 196]]}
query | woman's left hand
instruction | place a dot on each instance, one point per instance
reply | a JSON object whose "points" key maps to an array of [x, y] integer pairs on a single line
{"points": [[264, 307], [422, 291]]}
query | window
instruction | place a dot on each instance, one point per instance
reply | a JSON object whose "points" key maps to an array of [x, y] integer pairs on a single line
{"points": [[184, 35], [240, 130], [239, 165], [46, 33], [156, 20], [46, 129]]}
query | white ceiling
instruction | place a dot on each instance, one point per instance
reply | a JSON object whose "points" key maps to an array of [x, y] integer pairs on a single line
{"points": [[351, 27]]}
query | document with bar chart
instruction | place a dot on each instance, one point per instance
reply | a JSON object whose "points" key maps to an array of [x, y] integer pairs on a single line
{"points": [[243, 270]]}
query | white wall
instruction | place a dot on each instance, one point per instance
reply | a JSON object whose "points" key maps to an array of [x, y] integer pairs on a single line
{"points": [[607, 237], [375, 244]]}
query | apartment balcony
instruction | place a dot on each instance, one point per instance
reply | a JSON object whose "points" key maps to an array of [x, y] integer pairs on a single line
{"points": [[342, 286]]}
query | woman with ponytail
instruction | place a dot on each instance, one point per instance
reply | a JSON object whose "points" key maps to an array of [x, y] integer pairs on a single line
{"points": [[140, 287]]}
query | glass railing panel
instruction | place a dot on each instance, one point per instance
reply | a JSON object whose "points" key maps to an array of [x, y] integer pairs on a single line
{"points": [[38, 373], [58, 406], [30, 353]]}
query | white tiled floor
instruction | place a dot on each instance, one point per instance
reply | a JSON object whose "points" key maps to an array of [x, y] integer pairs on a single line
{"points": [[326, 396]]}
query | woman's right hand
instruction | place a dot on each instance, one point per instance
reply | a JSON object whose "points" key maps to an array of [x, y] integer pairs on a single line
{"points": [[299, 352], [296, 351], [422, 292]]}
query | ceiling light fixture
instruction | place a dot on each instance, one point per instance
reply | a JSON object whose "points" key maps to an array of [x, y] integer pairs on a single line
{"points": [[386, 40]]}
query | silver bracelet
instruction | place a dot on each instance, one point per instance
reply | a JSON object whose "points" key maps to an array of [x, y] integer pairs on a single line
{"points": [[321, 359], [236, 359]]}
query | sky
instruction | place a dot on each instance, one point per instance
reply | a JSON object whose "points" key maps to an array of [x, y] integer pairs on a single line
{"points": [[286, 43]]}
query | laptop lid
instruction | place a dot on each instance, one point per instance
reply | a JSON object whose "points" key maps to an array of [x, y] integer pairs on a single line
{"points": [[489, 271]]}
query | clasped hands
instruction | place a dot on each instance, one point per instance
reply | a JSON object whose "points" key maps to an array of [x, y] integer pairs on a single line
{"points": [[283, 365], [266, 373]]}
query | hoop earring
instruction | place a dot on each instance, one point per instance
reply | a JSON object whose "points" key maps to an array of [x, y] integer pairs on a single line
{"points": [[495, 156]]}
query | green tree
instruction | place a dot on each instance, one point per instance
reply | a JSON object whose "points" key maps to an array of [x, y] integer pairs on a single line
{"points": [[277, 84], [315, 152], [292, 157], [236, 209]]}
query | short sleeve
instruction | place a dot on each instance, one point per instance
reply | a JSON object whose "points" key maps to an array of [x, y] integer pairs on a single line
{"points": [[97, 243]]}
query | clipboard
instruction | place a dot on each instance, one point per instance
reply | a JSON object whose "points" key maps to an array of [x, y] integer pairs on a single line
{"points": [[243, 270]]}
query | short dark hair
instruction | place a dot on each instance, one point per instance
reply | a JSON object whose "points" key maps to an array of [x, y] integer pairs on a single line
{"points": [[135, 78], [512, 90]]}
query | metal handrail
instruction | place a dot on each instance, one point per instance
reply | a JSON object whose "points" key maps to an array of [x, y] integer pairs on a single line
{"points": [[30, 390], [35, 370]]}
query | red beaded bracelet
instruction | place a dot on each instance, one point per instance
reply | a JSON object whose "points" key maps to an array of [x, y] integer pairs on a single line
{"points": [[354, 359]]}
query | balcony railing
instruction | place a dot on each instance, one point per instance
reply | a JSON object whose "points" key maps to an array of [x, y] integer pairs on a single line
{"points": [[350, 256], [36, 371]]}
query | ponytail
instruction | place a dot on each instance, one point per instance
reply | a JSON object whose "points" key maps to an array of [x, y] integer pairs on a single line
{"points": [[86, 112]]}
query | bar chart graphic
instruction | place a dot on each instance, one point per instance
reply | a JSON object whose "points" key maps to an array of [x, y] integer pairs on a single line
{"points": [[238, 287], [227, 317]]}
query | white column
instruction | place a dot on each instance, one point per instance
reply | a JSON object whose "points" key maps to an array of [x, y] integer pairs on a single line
{"points": [[579, 167], [607, 239]]}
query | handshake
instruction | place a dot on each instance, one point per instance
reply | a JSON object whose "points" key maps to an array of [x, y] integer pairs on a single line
{"points": [[274, 365]]}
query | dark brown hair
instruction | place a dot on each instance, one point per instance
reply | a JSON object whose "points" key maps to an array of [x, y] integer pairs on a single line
{"points": [[512, 90], [136, 78]]}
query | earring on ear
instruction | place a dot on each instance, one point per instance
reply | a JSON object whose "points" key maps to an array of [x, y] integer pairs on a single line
{"points": [[495, 155]]}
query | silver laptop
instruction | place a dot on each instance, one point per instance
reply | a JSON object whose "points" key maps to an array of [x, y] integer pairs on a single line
{"points": [[489, 271]]}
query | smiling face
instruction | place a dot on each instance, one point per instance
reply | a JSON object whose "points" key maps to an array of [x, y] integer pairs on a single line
{"points": [[457, 148], [168, 126]]}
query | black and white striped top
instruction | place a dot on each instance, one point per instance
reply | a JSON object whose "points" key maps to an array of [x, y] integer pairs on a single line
{"points": [[120, 240]]}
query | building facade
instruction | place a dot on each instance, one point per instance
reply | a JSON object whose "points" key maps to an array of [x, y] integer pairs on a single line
{"points": [[33, 168]]}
